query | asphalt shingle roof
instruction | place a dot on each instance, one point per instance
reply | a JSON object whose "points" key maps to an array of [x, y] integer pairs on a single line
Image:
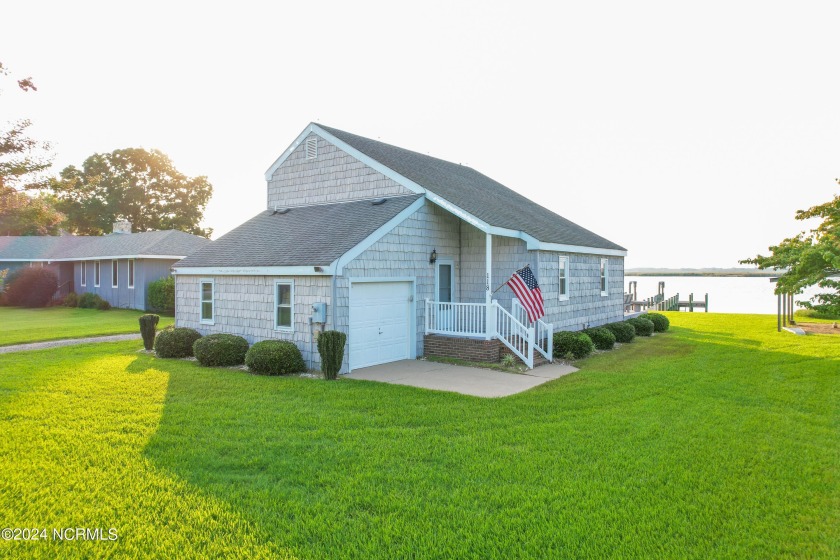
{"points": [[170, 243], [476, 193], [305, 235]]}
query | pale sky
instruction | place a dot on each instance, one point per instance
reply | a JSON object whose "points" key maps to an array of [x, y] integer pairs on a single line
{"points": [[688, 133]]}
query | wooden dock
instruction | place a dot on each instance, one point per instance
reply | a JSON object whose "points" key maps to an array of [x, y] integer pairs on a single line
{"points": [[660, 303]]}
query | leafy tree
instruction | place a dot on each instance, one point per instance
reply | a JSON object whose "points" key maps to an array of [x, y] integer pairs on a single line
{"points": [[810, 258], [23, 161], [133, 184]]}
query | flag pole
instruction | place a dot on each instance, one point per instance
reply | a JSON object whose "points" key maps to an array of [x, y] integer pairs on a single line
{"points": [[511, 276]]}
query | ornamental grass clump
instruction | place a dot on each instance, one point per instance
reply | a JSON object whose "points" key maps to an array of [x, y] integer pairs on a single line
{"points": [[602, 338], [331, 348], [643, 327], [176, 342], [148, 328], [274, 357], [624, 332], [220, 350], [571, 344], [660, 321]]}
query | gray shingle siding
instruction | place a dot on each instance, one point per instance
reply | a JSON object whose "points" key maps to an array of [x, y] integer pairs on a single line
{"points": [[331, 177], [244, 305], [586, 307]]}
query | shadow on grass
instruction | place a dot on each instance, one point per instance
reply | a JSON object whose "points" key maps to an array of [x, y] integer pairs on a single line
{"points": [[698, 438]]}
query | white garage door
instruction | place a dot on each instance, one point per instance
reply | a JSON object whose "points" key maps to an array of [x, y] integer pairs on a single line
{"points": [[380, 323]]}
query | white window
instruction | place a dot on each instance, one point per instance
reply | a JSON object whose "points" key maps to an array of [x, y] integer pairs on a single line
{"points": [[115, 267], [131, 273], [97, 273], [605, 276], [84, 273], [208, 301], [284, 313], [563, 285]]}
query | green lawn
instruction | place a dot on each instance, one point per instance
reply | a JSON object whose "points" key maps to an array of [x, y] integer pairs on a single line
{"points": [[720, 439], [52, 323]]}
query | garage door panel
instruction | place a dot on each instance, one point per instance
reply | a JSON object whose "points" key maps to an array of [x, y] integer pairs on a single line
{"points": [[380, 323]]}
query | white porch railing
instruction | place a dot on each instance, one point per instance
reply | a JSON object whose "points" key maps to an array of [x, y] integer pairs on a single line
{"points": [[472, 320], [456, 319], [544, 339]]}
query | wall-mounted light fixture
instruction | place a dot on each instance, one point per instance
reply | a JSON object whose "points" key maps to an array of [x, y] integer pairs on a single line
{"points": [[433, 256]]}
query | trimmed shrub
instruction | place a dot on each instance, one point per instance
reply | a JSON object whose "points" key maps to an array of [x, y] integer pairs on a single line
{"points": [[71, 300], [176, 343], [30, 287], [148, 326], [103, 305], [570, 343], [624, 332], [660, 321], [220, 350], [643, 327], [331, 348], [602, 338], [274, 357], [161, 294]]}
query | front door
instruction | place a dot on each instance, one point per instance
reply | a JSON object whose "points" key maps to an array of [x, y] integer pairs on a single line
{"points": [[445, 281]]}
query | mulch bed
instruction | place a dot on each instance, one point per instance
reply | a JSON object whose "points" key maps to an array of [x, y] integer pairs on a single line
{"points": [[819, 328]]}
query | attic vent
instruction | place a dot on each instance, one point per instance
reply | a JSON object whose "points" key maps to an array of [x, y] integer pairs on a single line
{"points": [[280, 210], [379, 201], [311, 148]]}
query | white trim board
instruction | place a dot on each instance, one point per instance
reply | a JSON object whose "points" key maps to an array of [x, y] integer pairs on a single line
{"points": [[252, 270], [103, 258]]}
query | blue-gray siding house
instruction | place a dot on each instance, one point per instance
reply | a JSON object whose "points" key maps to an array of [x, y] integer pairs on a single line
{"points": [[400, 251], [118, 267]]}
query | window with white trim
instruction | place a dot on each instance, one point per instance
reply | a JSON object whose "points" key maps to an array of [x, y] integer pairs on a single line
{"points": [[97, 273], [84, 273], [284, 313], [605, 276], [208, 304], [115, 271], [563, 283], [131, 273]]}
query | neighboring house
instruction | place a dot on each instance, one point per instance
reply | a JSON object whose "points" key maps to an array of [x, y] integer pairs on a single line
{"points": [[405, 251], [118, 267]]}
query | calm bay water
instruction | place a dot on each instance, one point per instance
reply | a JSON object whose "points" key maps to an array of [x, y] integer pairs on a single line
{"points": [[726, 294]]}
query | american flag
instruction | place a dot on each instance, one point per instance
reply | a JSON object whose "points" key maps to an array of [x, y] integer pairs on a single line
{"points": [[524, 285]]}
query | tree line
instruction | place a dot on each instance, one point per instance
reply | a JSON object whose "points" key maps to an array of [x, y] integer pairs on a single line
{"points": [[135, 184]]}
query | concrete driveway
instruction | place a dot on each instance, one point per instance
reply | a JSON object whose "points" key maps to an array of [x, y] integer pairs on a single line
{"points": [[459, 379]]}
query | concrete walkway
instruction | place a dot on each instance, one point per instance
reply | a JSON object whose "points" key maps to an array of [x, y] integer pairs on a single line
{"points": [[459, 379], [66, 342]]}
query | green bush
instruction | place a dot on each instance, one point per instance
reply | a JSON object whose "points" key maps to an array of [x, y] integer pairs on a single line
{"points": [[602, 338], [88, 300], [643, 327], [572, 344], [71, 300], [331, 348], [274, 357], [30, 286], [176, 343], [148, 326], [220, 350], [624, 332], [103, 305], [660, 321], [161, 294]]}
